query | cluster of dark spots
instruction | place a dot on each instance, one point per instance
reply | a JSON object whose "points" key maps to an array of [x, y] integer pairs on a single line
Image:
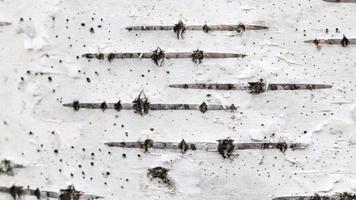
{"points": [[282, 146], [141, 104], [158, 56], [347, 196], [344, 42], [99, 56], [118, 106], [226, 147], [240, 28], [316, 42], [37, 193], [111, 57], [183, 146], [179, 29], [148, 143], [7, 167], [161, 174], [197, 56], [206, 28], [103, 106], [203, 107], [257, 87], [69, 194], [76, 105], [16, 191]]}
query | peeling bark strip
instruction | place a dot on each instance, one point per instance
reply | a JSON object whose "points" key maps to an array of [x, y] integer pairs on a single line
{"points": [[158, 55], [7, 167], [206, 146], [17, 191], [338, 196], [253, 87], [5, 23], [340, 1], [343, 42]]}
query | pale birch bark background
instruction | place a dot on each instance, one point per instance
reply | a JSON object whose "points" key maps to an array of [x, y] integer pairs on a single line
{"points": [[41, 47]]}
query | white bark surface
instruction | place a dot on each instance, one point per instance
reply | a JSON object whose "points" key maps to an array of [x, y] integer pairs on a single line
{"points": [[46, 45]]}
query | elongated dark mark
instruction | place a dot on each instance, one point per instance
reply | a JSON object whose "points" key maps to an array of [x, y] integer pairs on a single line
{"points": [[254, 87], [5, 23], [225, 147], [158, 56], [337, 196], [141, 105], [343, 42], [180, 28], [66, 194], [340, 1]]}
